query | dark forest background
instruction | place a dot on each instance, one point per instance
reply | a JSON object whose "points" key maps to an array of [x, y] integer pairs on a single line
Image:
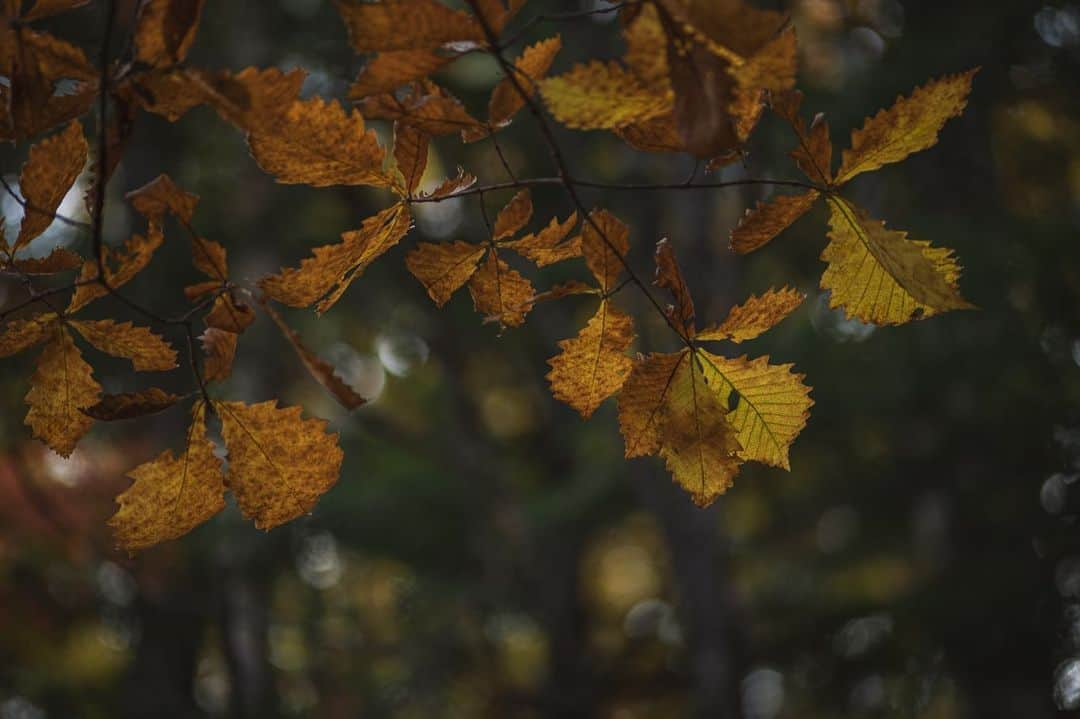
{"points": [[488, 554]]}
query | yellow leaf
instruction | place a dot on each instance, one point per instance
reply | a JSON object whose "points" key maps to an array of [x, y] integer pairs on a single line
{"points": [[316, 143], [165, 30], [388, 71], [120, 267], [768, 219], [320, 370], [642, 395], [600, 96], [62, 385], [531, 67], [326, 275], [769, 404], [880, 276], [128, 405], [410, 154], [604, 243], [670, 278], [160, 196], [697, 441], [514, 216], [169, 496], [772, 67], [593, 365], [755, 316], [48, 174], [147, 351], [219, 347], [406, 25], [500, 293], [547, 247], [645, 42], [21, 335], [910, 125], [279, 463], [443, 268]]}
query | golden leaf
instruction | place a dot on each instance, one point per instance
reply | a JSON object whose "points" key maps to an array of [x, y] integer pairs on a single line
{"points": [[326, 275], [769, 404], [279, 464], [219, 347], [316, 143], [656, 135], [388, 71], [643, 393], [768, 219], [772, 67], [645, 39], [62, 385], [593, 365], [880, 276], [165, 30], [813, 155], [500, 293], [129, 261], [697, 440], [160, 196], [410, 154], [320, 370], [514, 216], [755, 316], [443, 268], [169, 496], [230, 314], [604, 243], [147, 351], [406, 25], [600, 96], [547, 247], [128, 405], [209, 258], [21, 335], [910, 125], [427, 106], [533, 64], [452, 185], [670, 278], [48, 174]]}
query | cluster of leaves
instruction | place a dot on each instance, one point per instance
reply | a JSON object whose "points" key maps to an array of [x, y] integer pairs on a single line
{"points": [[696, 78]]}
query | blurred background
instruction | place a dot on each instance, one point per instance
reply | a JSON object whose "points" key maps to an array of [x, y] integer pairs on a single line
{"points": [[488, 554]]}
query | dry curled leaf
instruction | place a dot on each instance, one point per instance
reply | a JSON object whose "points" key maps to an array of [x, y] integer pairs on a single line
{"points": [[20, 334], [410, 154], [669, 276], [530, 68], [755, 316], [128, 405], [768, 219], [219, 349], [230, 314]]}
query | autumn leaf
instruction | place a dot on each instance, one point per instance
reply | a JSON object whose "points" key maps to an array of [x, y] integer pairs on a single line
{"points": [[443, 268], [128, 405], [547, 246], [20, 334], [219, 348], [59, 260], [645, 39], [880, 276], [387, 71], [768, 219], [755, 316], [600, 96], [530, 67], [320, 370], [513, 216], [325, 276], [453, 185], [604, 244], [230, 314], [147, 351], [769, 404], [165, 30], [593, 365], [645, 390], [500, 293], [669, 276], [315, 142], [49, 172], [35, 63], [426, 106], [62, 385], [813, 154], [406, 25], [410, 154], [121, 266], [169, 496], [279, 464], [910, 125], [161, 196]]}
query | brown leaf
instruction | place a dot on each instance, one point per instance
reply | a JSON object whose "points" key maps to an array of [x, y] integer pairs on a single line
{"points": [[656, 135], [645, 42], [406, 25], [443, 268], [768, 219], [21, 335], [643, 393], [128, 405], [62, 385], [160, 196], [410, 154], [813, 155], [500, 293], [120, 267], [320, 370], [219, 347], [165, 30], [514, 216], [38, 62], [48, 8], [253, 99], [388, 71], [427, 106], [316, 143], [531, 66], [170, 496], [59, 260], [230, 314], [452, 185], [755, 316], [547, 247], [52, 167], [593, 365], [279, 464], [209, 258], [326, 275], [910, 125], [604, 243], [704, 93], [147, 351], [670, 278]]}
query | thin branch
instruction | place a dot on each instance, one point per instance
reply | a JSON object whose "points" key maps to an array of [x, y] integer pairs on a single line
{"points": [[564, 17]]}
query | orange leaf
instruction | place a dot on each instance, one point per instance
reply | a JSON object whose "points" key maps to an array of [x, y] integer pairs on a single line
{"points": [[500, 293], [443, 268], [410, 154], [62, 385], [128, 405], [755, 316], [406, 25], [768, 219], [219, 346], [514, 216], [162, 195], [147, 351], [531, 66], [230, 314], [604, 243], [129, 261], [670, 278], [388, 71], [48, 174], [165, 30], [547, 247]]}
